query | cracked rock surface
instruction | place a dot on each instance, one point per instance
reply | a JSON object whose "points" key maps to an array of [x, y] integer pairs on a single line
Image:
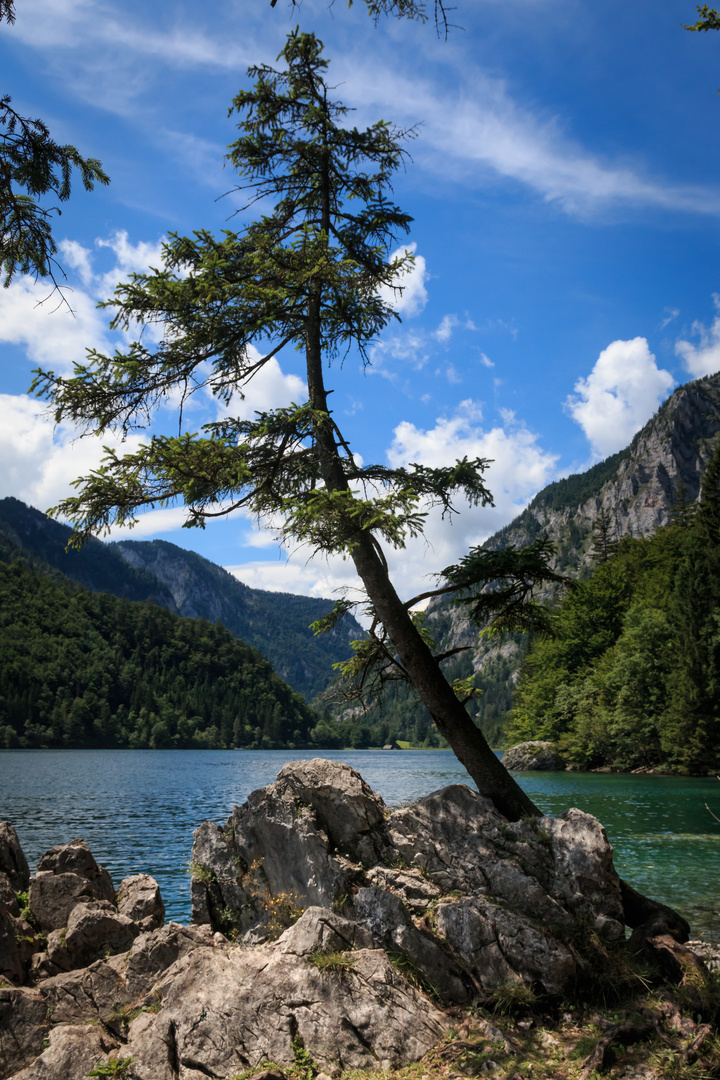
{"points": [[320, 920]]}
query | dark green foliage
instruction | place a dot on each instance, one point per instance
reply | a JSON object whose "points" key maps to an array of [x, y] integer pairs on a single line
{"points": [[32, 165], [275, 623], [604, 538], [83, 669], [709, 19], [631, 677]]}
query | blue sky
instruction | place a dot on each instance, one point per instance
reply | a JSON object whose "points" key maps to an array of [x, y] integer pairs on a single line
{"points": [[565, 186]]}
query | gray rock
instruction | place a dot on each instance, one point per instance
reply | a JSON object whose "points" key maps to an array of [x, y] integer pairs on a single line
{"points": [[415, 891], [71, 1054], [76, 858], [121, 982], [95, 929], [8, 895], [226, 1010], [11, 956], [276, 850], [53, 896], [416, 952], [534, 755], [501, 946], [12, 860], [138, 897], [23, 1028], [350, 813]]}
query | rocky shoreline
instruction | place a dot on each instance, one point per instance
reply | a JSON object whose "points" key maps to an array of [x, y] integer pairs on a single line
{"points": [[329, 934]]}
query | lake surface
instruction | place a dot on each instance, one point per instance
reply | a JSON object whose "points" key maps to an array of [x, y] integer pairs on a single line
{"points": [[137, 810]]}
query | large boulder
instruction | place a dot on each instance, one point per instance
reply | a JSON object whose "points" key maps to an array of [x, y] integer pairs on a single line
{"points": [[463, 899], [225, 1010], [138, 897], [294, 843], [67, 875], [533, 756], [95, 929]]}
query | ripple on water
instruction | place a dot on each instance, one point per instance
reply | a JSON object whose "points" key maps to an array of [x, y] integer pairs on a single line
{"points": [[137, 809]]}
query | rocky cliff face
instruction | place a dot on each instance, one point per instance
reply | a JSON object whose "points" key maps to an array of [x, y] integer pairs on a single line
{"points": [[637, 488]]}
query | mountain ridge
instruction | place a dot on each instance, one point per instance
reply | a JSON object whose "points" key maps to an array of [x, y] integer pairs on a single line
{"points": [[277, 624]]}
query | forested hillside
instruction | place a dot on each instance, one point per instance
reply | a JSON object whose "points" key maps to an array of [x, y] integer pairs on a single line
{"points": [[278, 624], [631, 676], [82, 669]]}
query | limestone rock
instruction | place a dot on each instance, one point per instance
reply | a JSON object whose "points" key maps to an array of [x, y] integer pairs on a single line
{"points": [[8, 896], [12, 860], [417, 952], [138, 897], [71, 1054], [53, 896], [23, 1027], [226, 1010], [95, 929], [67, 875], [348, 810], [11, 959], [534, 755], [501, 946], [76, 858], [122, 981], [278, 845]]}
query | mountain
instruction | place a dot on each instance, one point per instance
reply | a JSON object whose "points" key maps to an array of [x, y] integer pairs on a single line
{"points": [[637, 488], [273, 622], [88, 669], [277, 624]]}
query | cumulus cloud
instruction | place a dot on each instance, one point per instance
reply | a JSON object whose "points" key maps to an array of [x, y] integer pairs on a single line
{"points": [[413, 297], [40, 460], [51, 335], [518, 468], [620, 394], [270, 388], [703, 358]]}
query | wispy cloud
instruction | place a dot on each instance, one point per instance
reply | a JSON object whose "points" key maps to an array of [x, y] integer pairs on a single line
{"points": [[703, 358]]}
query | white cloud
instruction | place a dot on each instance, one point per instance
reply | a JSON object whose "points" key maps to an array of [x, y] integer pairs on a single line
{"points": [[50, 334], [479, 132], [486, 361], [270, 388], [40, 460], [445, 329], [519, 468], [413, 297], [620, 394], [704, 358]]}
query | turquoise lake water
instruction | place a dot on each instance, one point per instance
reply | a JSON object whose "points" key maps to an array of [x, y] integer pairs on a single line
{"points": [[137, 810]]}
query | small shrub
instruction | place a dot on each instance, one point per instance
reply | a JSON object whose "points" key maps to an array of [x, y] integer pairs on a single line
{"points": [[304, 1065], [113, 1068], [23, 899], [513, 998], [201, 873]]}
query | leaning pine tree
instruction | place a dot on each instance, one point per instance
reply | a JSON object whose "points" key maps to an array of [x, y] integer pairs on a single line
{"points": [[308, 275]]}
